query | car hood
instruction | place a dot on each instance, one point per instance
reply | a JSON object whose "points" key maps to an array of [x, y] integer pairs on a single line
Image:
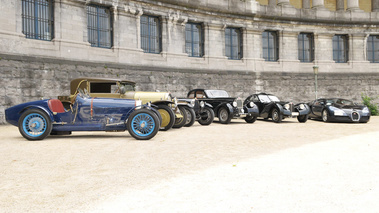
{"points": [[147, 96], [357, 107]]}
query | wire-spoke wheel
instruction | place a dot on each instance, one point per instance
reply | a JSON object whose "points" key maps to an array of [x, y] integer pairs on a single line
{"points": [[143, 124], [34, 124]]}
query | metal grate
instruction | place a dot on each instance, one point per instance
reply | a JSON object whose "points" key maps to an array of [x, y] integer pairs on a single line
{"points": [[340, 48], [355, 116], [270, 45], [38, 19], [233, 43], [99, 26], [373, 48], [306, 47], [194, 40], [150, 34]]}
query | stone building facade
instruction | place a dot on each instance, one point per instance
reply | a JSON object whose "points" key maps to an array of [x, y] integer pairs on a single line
{"points": [[242, 46]]}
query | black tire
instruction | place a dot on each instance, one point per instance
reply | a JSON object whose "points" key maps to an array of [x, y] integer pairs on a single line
{"points": [[250, 119], [180, 122], [142, 124], [34, 124], [206, 117], [223, 115], [276, 116], [168, 117], [302, 118], [191, 116], [325, 115]]}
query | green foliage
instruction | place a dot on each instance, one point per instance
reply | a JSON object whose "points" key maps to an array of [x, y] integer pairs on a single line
{"points": [[371, 106]]}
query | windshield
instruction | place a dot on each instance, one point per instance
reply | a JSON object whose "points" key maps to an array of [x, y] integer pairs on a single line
{"points": [[344, 102], [268, 98], [216, 93]]}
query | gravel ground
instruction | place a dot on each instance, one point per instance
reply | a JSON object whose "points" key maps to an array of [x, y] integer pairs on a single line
{"points": [[260, 167]]}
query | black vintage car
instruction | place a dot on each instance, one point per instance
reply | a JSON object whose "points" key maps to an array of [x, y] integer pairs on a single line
{"points": [[271, 107], [224, 106], [338, 109], [200, 111]]}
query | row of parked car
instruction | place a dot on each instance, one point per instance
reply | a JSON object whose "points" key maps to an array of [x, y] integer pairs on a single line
{"points": [[98, 104]]}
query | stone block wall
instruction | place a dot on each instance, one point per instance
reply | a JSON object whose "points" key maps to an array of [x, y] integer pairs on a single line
{"points": [[24, 79]]}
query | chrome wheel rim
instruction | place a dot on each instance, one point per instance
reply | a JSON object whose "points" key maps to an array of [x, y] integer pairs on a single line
{"points": [[223, 115]]}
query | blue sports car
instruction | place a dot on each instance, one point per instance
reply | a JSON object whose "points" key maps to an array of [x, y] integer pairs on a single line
{"points": [[338, 109], [38, 119]]}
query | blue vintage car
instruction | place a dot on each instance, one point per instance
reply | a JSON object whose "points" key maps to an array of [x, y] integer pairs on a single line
{"points": [[37, 119]]}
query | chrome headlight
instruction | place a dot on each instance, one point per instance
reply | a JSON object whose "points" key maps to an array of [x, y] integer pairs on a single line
{"points": [[365, 110], [251, 104], [301, 106], [193, 102], [202, 104], [175, 101], [286, 106], [234, 104]]}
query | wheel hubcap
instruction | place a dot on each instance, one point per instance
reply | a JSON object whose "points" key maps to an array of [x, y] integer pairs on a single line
{"points": [[223, 115]]}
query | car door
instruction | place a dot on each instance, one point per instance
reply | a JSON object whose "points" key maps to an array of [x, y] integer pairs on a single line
{"points": [[317, 107]]}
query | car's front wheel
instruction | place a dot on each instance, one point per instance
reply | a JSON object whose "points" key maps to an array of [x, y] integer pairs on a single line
{"points": [[143, 124], [180, 122], [206, 117], [223, 115], [250, 119], [168, 117], [302, 118], [276, 116], [191, 116], [325, 115], [34, 124]]}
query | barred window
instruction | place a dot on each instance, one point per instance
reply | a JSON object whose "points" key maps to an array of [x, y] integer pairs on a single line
{"points": [[270, 46], [150, 34], [38, 19], [306, 47], [340, 49], [233, 43], [99, 26], [373, 48], [194, 40]]}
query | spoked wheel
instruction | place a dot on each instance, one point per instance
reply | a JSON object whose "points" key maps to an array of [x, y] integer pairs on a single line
{"points": [[302, 118], [325, 115], [191, 116], [223, 116], [168, 117], [207, 116], [276, 116], [34, 124], [143, 124], [180, 122]]}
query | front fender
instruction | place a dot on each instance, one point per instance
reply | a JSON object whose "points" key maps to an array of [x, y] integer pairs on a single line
{"points": [[162, 102], [280, 108], [252, 111], [48, 113], [305, 111]]}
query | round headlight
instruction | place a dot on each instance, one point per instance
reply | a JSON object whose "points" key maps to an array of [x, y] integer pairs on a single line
{"points": [[286, 106], [251, 104], [193, 102], [301, 106], [176, 101], [202, 104], [234, 104], [138, 102]]}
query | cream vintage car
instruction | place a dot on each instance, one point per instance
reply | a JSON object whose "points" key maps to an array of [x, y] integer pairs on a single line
{"points": [[173, 115]]}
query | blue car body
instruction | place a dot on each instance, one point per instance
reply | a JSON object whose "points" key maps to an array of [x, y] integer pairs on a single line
{"points": [[86, 114]]}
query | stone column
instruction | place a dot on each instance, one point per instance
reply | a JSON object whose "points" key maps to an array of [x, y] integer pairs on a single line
{"points": [[352, 5], [323, 47], [357, 43], [375, 5], [318, 4], [306, 4], [340, 6]]}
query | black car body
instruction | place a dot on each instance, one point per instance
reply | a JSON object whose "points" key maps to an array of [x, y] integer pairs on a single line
{"points": [[225, 107], [338, 109], [271, 107]]}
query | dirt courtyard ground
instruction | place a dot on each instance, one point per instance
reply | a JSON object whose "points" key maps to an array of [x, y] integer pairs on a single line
{"points": [[259, 167]]}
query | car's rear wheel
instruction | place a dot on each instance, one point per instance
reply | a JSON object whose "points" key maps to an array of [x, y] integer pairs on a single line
{"points": [[223, 115], [168, 117], [191, 116], [143, 124], [276, 116], [325, 115], [207, 116], [34, 124], [180, 122], [302, 118], [250, 119]]}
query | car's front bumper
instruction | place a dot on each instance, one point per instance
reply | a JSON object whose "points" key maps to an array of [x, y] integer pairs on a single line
{"points": [[245, 112]]}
